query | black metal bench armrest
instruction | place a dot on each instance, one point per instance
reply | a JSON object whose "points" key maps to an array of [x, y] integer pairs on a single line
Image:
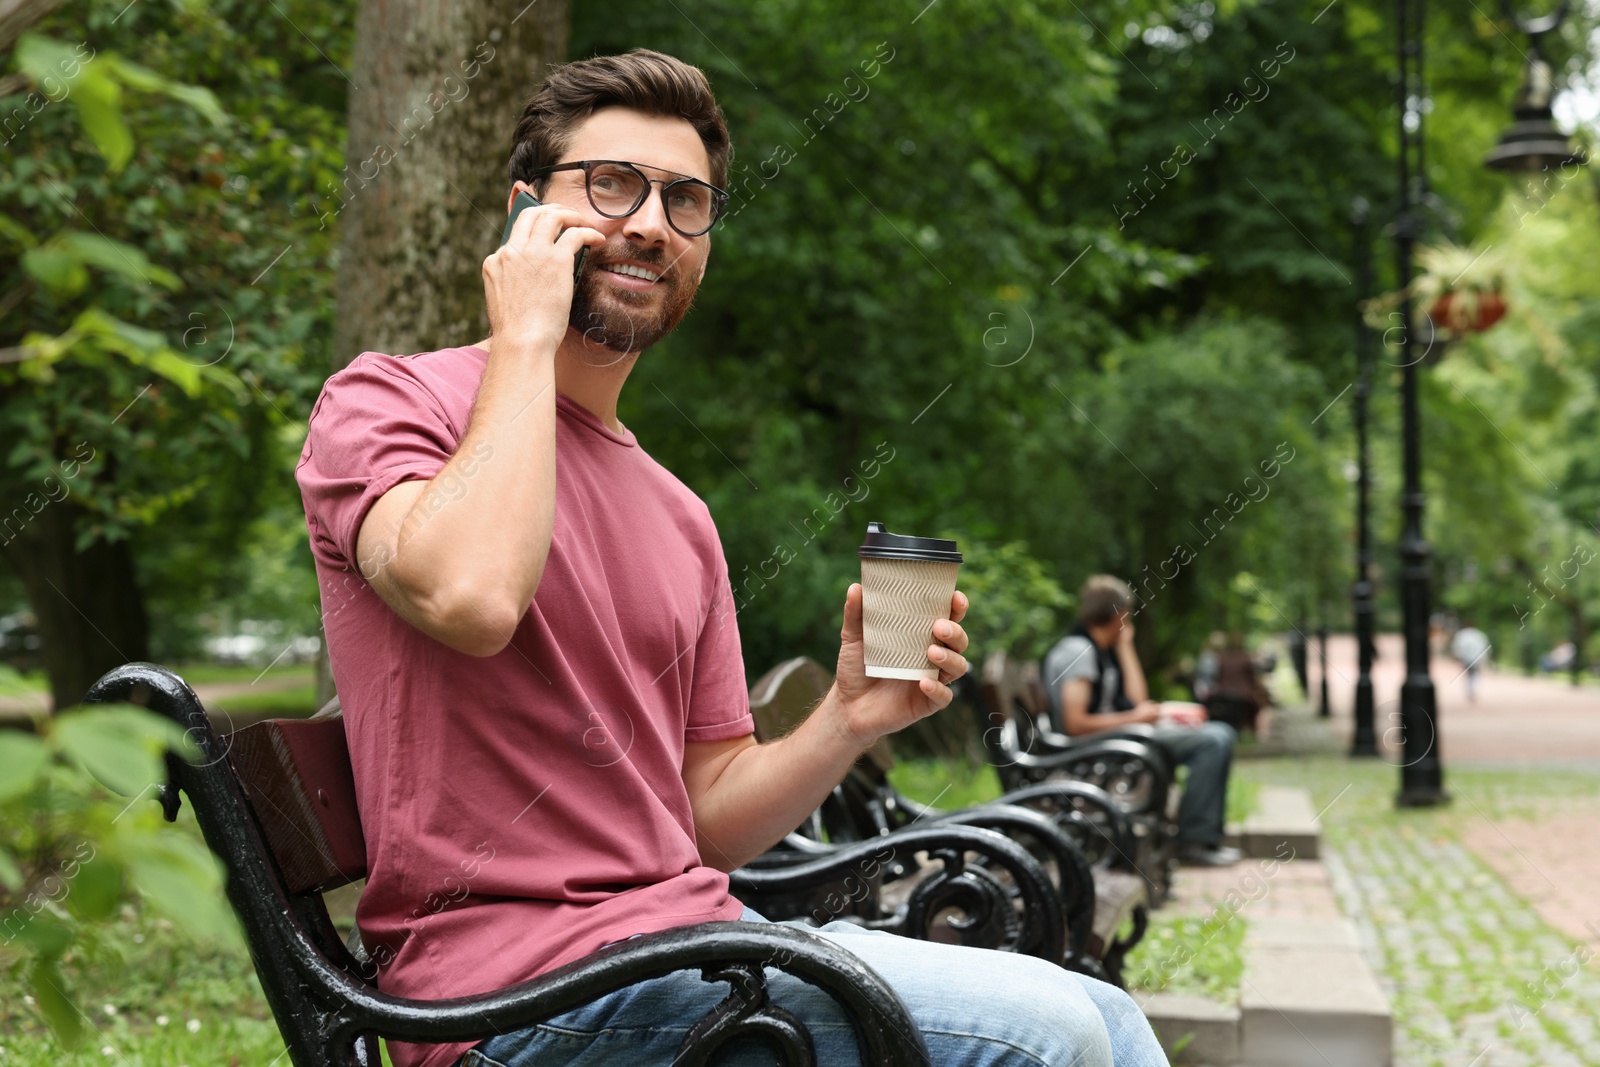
{"points": [[1075, 876], [1088, 814], [856, 869], [1138, 776], [327, 1013], [734, 951]]}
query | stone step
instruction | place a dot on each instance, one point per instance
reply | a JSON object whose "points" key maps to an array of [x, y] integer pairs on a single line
{"points": [[1284, 826], [1194, 1029], [1309, 997]]}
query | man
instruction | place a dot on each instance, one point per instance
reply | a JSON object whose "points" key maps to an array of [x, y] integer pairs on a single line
{"points": [[531, 628], [1094, 683], [1470, 647]]}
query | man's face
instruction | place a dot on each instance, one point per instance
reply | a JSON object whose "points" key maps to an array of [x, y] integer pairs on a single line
{"points": [[612, 310]]}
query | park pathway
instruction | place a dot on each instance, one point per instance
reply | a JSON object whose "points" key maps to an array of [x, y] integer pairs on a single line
{"points": [[1481, 917], [1515, 719]]}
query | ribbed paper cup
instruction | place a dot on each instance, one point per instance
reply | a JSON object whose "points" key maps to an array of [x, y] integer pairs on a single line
{"points": [[902, 597]]}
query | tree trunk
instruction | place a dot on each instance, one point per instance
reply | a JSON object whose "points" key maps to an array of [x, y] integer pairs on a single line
{"points": [[17, 15], [89, 609], [437, 92]]}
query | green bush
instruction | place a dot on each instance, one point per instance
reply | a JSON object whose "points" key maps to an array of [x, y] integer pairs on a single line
{"points": [[1016, 600], [81, 836]]}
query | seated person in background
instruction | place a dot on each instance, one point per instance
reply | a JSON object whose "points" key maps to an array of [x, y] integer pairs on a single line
{"points": [[1094, 682], [1237, 694]]}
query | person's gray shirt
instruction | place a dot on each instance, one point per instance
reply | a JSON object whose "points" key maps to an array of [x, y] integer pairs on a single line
{"points": [[1074, 657]]}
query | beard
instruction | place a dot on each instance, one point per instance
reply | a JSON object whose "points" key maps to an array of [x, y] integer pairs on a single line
{"points": [[624, 320]]}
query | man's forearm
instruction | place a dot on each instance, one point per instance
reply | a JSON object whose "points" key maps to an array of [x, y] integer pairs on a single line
{"points": [[765, 791], [1134, 687], [1111, 720]]}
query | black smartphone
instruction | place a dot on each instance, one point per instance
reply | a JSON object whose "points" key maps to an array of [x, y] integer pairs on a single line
{"points": [[526, 200]]}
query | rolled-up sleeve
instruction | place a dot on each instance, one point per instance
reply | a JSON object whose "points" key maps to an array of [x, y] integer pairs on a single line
{"points": [[719, 703], [371, 429]]}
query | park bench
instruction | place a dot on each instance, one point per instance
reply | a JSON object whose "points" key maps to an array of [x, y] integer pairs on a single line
{"points": [[276, 803], [1129, 764], [1063, 824]]}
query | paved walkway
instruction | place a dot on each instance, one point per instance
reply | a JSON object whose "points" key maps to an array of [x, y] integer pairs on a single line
{"points": [[1515, 719], [1482, 918]]}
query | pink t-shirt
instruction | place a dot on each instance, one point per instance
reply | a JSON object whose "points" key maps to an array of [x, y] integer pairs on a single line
{"points": [[524, 809]]}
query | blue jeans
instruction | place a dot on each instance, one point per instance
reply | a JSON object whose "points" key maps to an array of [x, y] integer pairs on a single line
{"points": [[975, 1007], [1207, 750]]}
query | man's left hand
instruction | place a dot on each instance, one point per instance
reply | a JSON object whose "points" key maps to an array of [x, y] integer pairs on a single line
{"points": [[872, 707]]}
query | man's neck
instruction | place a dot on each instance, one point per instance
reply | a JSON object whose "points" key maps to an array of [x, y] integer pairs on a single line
{"points": [[1103, 636], [589, 375]]}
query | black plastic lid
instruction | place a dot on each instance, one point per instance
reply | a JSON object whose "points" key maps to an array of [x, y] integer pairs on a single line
{"points": [[881, 544]]}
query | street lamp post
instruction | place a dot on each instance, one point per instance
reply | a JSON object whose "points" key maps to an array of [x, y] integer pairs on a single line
{"points": [[1533, 143], [1364, 741], [1422, 770]]}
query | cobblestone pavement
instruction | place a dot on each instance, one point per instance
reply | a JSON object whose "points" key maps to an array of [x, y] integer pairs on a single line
{"points": [[1475, 975]]}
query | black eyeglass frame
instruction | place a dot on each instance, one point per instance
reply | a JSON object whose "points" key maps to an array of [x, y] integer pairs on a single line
{"points": [[719, 197]]}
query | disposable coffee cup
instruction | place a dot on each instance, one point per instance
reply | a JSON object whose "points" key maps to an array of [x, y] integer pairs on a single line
{"points": [[907, 583]]}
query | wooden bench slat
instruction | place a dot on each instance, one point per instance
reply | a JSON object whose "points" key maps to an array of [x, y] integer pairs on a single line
{"points": [[296, 775]]}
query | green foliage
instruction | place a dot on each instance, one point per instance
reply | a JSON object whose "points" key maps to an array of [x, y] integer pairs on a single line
{"points": [[80, 835], [147, 990], [1016, 600], [157, 294], [945, 784]]}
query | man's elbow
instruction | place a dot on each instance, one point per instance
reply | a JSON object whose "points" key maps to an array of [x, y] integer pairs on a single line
{"points": [[480, 628], [474, 624]]}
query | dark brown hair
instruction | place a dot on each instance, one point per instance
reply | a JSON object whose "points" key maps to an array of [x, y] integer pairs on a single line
{"points": [[1102, 599], [646, 81]]}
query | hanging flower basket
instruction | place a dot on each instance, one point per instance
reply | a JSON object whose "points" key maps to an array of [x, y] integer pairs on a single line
{"points": [[1468, 311], [1457, 291]]}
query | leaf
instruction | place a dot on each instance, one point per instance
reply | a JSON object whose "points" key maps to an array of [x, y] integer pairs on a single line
{"points": [[57, 270], [96, 890], [10, 873], [98, 101], [120, 745], [44, 59], [22, 758], [117, 257], [49, 989], [10, 227], [182, 880], [136, 77], [41, 935], [178, 371]]}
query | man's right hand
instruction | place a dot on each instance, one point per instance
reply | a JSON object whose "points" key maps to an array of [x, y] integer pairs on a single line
{"points": [[527, 282]]}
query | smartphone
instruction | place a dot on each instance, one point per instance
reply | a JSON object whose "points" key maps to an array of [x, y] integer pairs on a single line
{"points": [[524, 201]]}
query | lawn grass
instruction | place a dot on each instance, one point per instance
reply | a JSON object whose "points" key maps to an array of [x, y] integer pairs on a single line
{"points": [[15, 683], [149, 996], [946, 785], [298, 701], [1200, 955], [222, 673]]}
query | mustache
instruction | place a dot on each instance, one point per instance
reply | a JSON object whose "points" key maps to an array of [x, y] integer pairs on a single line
{"points": [[650, 257]]}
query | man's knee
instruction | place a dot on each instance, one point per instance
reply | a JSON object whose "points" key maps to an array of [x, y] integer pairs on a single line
{"points": [[1220, 734]]}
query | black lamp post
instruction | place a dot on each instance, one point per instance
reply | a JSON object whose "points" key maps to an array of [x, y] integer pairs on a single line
{"points": [[1532, 143], [1422, 771], [1364, 741]]}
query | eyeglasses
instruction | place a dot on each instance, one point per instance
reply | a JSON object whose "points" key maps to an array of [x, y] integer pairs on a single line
{"points": [[617, 189]]}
